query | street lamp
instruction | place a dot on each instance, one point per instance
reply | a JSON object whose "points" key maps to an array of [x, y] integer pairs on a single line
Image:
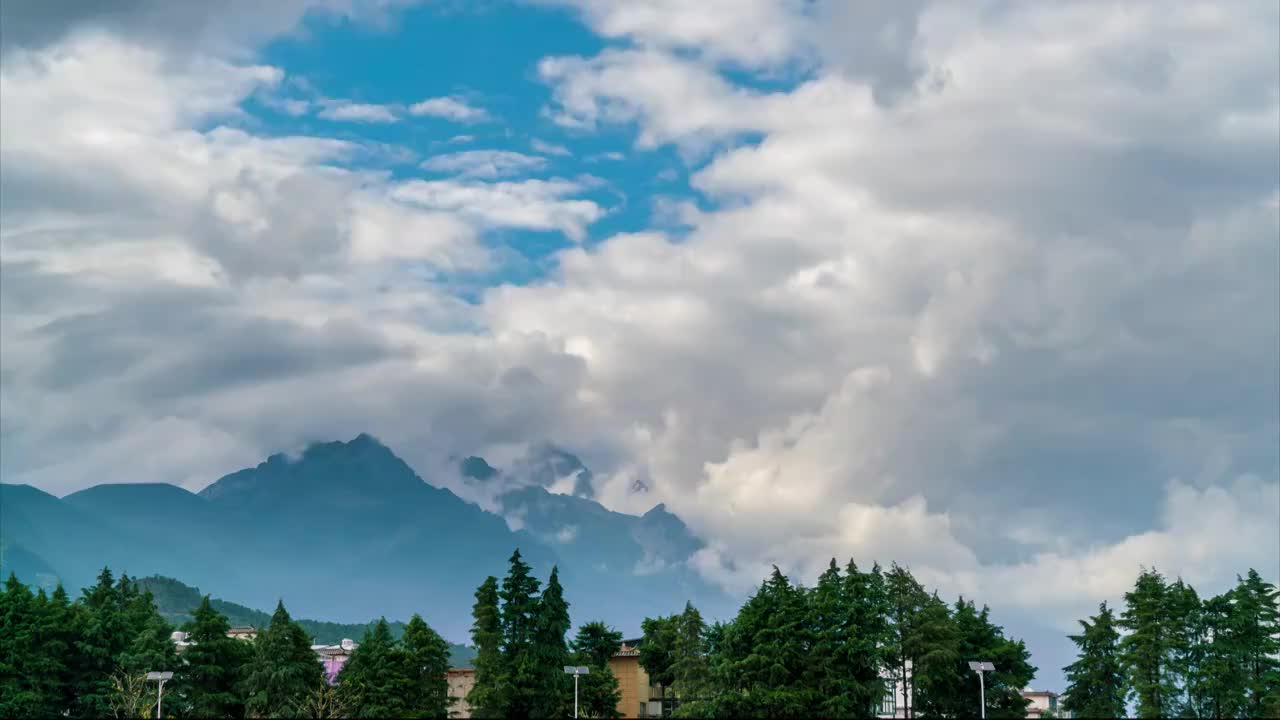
{"points": [[575, 672], [981, 667], [159, 677]]}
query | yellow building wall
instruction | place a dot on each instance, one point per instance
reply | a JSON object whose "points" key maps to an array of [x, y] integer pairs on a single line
{"points": [[633, 685]]}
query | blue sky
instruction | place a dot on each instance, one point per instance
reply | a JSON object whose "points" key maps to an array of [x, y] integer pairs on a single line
{"points": [[984, 288]]}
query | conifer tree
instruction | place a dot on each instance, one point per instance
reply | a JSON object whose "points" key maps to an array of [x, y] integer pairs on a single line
{"points": [[212, 665], [282, 672], [593, 646], [1257, 638], [554, 693], [905, 599], [981, 639], [1220, 683], [373, 683], [18, 646], [827, 670], [485, 698], [1145, 651], [426, 657], [1185, 621], [934, 647], [1095, 681], [689, 668], [105, 634], [868, 639], [522, 676]]}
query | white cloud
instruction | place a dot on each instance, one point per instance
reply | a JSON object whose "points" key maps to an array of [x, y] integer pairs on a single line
{"points": [[486, 164], [347, 111], [530, 204], [546, 148], [449, 108]]}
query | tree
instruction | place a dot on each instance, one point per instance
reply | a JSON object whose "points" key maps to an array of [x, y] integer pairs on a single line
{"points": [[212, 665], [522, 677], [103, 636], [1257, 624], [1146, 650], [283, 671], [829, 667], [657, 650], [426, 657], [553, 692], [1220, 683], [593, 646], [868, 638], [980, 639], [130, 696], [373, 683], [1185, 620], [690, 674], [939, 667], [1095, 681], [485, 698]]}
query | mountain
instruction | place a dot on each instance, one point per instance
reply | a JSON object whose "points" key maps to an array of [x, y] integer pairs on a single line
{"points": [[347, 532]]}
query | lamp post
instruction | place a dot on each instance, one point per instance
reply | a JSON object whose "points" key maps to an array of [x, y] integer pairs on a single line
{"points": [[575, 671], [159, 677], [980, 668]]}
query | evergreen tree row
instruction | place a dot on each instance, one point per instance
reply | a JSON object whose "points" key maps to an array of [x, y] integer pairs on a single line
{"points": [[519, 631], [1176, 655], [89, 659], [835, 650]]}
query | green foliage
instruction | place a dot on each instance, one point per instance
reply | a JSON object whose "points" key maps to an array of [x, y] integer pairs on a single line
{"points": [[657, 650], [1096, 681], [486, 697], [550, 652], [1147, 650], [522, 677], [426, 658], [212, 666], [1257, 641], [283, 671], [598, 693], [374, 683]]}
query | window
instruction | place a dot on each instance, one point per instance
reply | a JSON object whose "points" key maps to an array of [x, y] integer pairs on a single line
{"points": [[1053, 704]]}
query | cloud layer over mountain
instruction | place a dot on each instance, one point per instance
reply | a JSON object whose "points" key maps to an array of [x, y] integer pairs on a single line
{"points": [[988, 288]]}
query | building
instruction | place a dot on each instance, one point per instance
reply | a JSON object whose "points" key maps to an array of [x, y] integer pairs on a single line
{"points": [[244, 632], [1043, 701], [460, 680], [641, 698], [333, 657]]}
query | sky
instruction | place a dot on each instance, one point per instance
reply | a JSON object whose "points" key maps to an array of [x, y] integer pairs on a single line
{"points": [[990, 289]]}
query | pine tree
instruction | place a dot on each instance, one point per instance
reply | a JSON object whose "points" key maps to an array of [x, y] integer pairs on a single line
{"points": [[980, 639], [1145, 651], [212, 665], [373, 683], [593, 646], [1257, 625], [766, 648], [18, 647], [426, 656], [1095, 681], [829, 668], [522, 676], [1185, 620], [1220, 682], [933, 644], [554, 692], [868, 638], [104, 636], [56, 626], [485, 698], [283, 671], [690, 673]]}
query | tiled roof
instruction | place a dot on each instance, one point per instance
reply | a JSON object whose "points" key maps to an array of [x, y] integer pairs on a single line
{"points": [[627, 651]]}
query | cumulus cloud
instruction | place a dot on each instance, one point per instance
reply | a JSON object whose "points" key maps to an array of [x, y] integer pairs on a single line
{"points": [[486, 164], [347, 111], [449, 108], [1007, 322]]}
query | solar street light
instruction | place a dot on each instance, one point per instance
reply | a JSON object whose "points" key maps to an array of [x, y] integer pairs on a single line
{"points": [[159, 677], [575, 671], [980, 668]]}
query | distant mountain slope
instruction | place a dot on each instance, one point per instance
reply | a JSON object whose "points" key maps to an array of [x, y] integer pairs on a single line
{"points": [[176, 600], [347, 531]]}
